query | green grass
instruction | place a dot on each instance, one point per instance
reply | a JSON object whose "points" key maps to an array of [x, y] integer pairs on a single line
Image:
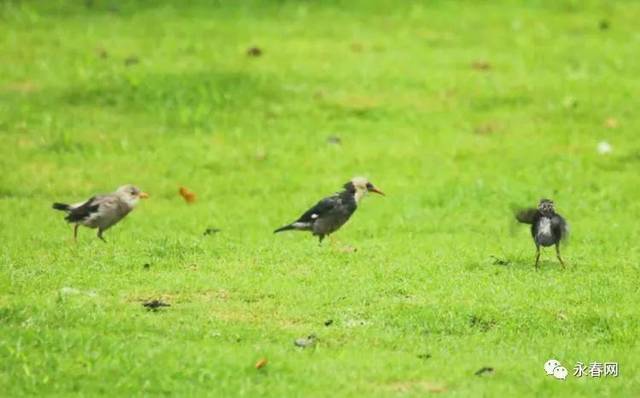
{"points": [[454, 147]]}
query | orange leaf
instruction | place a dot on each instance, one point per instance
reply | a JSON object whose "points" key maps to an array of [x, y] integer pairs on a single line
{"points": [[188, 196], [262, 362]]}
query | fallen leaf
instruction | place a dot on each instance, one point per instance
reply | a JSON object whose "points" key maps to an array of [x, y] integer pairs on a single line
{"points": [[262, 362], [187, 195]]}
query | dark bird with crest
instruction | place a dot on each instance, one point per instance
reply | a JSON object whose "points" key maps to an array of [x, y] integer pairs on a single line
{"points": [[332, 212], [548, 228]]}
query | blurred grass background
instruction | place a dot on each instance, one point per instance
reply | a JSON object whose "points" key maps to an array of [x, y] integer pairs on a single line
{"points": [[458, 110]]}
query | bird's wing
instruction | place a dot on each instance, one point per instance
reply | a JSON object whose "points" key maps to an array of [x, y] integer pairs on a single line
{"points": [[526, 216], [319, 210], [97, 206], [82, 211], [559, 226]]}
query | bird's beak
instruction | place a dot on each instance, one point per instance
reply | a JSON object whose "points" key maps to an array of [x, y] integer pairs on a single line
{"points": [[144, 195], [376, 190]]}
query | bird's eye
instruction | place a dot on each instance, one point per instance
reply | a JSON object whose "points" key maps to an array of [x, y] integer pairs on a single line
{"points": [[369, 185]]}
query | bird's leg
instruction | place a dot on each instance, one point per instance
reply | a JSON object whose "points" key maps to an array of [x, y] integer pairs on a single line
{"points": [[75, 232], [320, 239], [558, 254], [100, 236], [537, 255]]}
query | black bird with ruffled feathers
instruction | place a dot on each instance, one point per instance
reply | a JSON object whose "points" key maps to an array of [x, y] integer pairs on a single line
{"points": [[547, 227], [331, 213]]}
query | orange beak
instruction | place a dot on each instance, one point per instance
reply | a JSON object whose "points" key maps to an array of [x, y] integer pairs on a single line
{"points": [[144, 195], [376, 190]]}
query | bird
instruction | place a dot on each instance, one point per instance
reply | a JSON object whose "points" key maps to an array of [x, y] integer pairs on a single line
{"points": [[332, 212], [102, 211], [547, 227]]}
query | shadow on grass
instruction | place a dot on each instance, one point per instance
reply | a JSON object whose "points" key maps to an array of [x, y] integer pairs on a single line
{"points": [[495, 262]]}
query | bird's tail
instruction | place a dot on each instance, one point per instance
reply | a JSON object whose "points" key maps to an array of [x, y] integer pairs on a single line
{"points": [[61, 206], [285, 228]]}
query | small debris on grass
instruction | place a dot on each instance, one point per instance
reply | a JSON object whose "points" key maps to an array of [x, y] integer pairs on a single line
{"points": [[254, 51], [211, 231], [424, 356], [611, 123], [604, 148], [356, 47], [348, 249], [334, 140], [131, 60], [262, 362], [69, 291], [481, 65], [604, 24], [485, 129], [569, 102], [352, 323], [155, 305], [102, 53], [261, 154], [479, 323], [500, 261], [328, 322], [486, 371], [187, 195], [306, 342]]}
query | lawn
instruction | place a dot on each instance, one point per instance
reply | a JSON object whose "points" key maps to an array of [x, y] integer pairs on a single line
{"points": [[459, 111]]}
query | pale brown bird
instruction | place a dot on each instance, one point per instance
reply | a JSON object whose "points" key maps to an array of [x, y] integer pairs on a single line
{"points": [[102, 211]]}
